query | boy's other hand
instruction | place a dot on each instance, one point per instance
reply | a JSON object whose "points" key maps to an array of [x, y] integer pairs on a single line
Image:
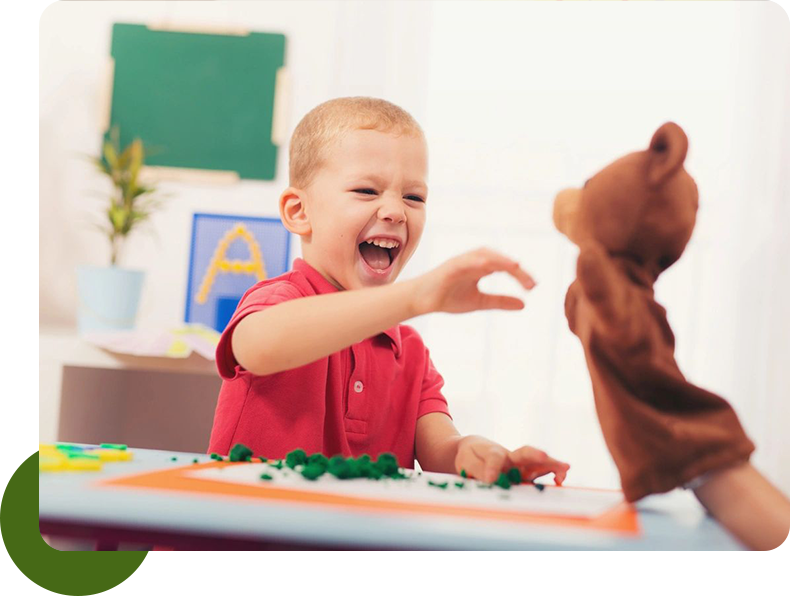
{"points": [[481, 458], [484, 460], [452, 287], [534, 463]]}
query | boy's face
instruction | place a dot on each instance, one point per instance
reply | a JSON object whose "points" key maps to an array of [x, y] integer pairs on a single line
{"points": [[366, 208]]}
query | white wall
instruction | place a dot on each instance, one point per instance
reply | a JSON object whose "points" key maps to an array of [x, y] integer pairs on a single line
{"points": [[526, 99], [518, 100]]}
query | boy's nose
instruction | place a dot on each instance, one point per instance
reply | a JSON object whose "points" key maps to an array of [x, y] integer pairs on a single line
{"points": [[392, 211]]}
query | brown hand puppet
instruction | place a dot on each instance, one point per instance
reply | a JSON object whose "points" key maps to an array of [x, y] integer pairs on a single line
{"points": [[631, 221]]}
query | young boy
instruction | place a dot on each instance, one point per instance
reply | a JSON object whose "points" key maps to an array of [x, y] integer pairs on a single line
{"points": [[317, 358]]}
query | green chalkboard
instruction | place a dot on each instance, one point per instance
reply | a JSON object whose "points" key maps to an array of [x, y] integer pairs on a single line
{"points": [[200, 100]]}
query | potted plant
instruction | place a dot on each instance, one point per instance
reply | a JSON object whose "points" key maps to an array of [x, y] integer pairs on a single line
{"points": [[109, 296]]}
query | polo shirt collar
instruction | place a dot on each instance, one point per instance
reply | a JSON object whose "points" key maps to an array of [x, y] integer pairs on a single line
{"points": [[322, 286], [319, 283], [394, 334]]}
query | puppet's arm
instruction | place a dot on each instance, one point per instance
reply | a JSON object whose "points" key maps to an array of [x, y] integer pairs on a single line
{"points": [[608, 293]]}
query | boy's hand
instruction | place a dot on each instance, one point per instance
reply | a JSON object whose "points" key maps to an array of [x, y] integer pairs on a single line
{"points": [[452, 287], [485, 460], [534, 463]]}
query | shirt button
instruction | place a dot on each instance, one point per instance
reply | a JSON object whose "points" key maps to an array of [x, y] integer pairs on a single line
{"points": [[358, 386]]}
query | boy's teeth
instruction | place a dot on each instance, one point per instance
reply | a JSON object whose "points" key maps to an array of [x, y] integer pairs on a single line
{"points": [[383, 243]]}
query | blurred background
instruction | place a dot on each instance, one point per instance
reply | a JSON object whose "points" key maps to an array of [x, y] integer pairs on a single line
{"points": [[518, 100]]}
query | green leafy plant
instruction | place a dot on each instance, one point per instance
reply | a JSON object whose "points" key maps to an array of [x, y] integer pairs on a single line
{"points": [[131, 202]]}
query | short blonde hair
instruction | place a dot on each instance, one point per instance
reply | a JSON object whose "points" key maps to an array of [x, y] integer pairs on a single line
{"points": [[316, 132]]}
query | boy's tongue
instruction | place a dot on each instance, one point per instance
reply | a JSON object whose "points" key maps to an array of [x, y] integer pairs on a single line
{"points": [[375, 256]]}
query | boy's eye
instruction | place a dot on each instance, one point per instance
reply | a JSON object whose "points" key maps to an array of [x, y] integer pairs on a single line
{"points": [[373, 192]]}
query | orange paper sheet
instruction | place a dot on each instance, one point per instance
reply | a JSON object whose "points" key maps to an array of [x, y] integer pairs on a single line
{"points": [[621, 518]]}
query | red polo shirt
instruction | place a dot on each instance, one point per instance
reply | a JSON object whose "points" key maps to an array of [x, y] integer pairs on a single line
{"points": [[364, 399]]}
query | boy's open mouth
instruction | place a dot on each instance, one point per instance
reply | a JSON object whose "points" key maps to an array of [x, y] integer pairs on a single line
{"points": [[379, 253]]}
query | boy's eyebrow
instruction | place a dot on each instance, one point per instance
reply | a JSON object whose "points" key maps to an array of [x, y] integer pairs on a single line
{"points": [[381, 182]]}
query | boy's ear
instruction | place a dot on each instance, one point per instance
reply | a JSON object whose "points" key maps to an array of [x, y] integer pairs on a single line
{"points": [[293, 211], [667, 153]]}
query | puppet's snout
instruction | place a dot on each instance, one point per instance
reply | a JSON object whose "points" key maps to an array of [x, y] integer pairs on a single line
{"points": [[566, 207]]}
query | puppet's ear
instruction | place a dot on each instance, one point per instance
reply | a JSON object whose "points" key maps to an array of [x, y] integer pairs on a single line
{"points": [[666, 153]]}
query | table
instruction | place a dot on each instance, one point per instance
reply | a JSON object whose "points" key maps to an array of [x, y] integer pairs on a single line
{"points": [[81, 505]]}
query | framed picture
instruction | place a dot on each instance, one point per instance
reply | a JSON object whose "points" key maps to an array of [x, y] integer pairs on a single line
{"points": [[229, 254]]}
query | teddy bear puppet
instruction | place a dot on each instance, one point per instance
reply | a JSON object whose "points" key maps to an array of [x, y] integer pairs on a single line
{"points": [[631, 221]]}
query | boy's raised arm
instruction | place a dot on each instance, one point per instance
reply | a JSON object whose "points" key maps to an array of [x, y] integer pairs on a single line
{"points": [[300, 331]]}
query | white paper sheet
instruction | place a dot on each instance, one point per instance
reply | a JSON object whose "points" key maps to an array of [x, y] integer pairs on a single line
{"points": [[173, 343], [523, 498]]}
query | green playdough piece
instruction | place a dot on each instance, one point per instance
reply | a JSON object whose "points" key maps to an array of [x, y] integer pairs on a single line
{"points": [[539, 486], [339, 467], [442, 485], [503, 481], [463, 473], [514, 475], [263, 460], [313, 471], [194, 461], [355, 468], [113, 446], [297, 457], [174, 459], [265, 477], [318, 459], [216, 456], [365, 465], [460, 484], [387, 463], [240, 452]]}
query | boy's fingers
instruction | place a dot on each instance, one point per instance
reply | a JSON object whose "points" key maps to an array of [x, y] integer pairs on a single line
{"points": [[535, 473], [497, 301], [494, 457], [558, 468], [559, 477], [492, 262], [515, 270], [524, 278], [472, 463], [494, 462], [555, 463], [528, 455], [473, 469]]}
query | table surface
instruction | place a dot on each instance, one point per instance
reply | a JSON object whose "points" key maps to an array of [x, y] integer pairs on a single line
{"points": [[76, 504], [65, 347]]}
